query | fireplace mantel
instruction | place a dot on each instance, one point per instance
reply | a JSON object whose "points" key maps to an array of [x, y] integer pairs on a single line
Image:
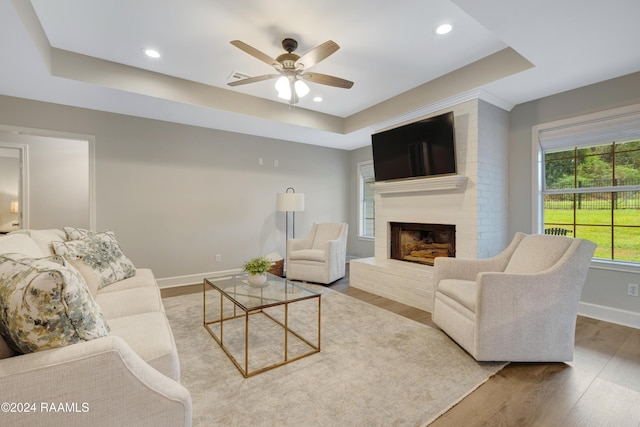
{"points": [[421, 185]]}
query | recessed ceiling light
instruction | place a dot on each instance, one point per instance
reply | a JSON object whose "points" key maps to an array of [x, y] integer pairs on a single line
{"points": [[317, 99], [443, 29], [152, 53]]}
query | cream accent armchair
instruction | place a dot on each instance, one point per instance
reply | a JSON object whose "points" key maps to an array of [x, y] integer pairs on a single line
{"points": [[320, 256], [519, 306]]}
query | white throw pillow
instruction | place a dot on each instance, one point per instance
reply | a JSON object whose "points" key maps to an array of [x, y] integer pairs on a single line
{"points": [[45, 303], [43, 238], [20, 243], [99, 259]]}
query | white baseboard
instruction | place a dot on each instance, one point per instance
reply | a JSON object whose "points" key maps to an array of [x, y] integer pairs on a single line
{"points": [[608, 314], [173, 282]]}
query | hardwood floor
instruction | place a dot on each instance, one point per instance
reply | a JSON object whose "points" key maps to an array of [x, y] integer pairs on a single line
{"points": [[601, 387]]}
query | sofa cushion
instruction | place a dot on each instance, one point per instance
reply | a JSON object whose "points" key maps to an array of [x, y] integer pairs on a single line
{"points": [[45, 303], [20, 243], [98, 258], [547, 250], [149, 335], [462, 291], [43, 238], [142, 279], [128, 302], [308, 255]]}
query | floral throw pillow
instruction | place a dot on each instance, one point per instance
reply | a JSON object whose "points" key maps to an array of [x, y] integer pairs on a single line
{"points": [[98, 257], [45, 303], [73, 233]]}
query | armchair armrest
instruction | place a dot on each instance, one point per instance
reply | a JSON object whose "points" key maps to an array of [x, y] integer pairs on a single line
{"points": [[334, 250], [460, 268], [99, 382], [468, 269]]}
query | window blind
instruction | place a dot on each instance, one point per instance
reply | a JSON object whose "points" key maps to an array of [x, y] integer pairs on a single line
{"points": [[620, 128]]}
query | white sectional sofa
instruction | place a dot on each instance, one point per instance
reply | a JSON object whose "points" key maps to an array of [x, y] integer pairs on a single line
{"points": [[114, 364]]}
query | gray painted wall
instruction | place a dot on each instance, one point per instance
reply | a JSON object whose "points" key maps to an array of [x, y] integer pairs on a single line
{"points": [[603, 287], [178, 195], [58, 184]]}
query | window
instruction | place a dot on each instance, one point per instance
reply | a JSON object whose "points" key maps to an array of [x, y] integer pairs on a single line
{"points": [[366, 212], [594, 193], [589, 183]]}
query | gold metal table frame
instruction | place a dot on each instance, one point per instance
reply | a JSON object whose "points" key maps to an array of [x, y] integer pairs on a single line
{"points": [[236, 290]]}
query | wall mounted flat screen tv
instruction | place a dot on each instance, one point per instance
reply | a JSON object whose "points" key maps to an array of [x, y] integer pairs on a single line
{"points": [[421, 149]]}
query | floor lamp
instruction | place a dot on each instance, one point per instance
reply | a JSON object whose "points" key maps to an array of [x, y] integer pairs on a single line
{"points": [[286, 202]]}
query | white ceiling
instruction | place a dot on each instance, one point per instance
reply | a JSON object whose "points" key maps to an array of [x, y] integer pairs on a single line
{"points": [[387, 48]]}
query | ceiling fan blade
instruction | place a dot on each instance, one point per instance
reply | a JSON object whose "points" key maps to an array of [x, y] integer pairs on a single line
{"points": [[254, 52], [253, 79], [317, 54], [324, 79]]}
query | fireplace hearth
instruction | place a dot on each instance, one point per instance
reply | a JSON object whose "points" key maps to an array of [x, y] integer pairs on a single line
{"points": [[421, 243]]}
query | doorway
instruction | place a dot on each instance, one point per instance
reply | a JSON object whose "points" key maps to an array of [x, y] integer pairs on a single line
{"points": [[56, 185], [11, 187]]}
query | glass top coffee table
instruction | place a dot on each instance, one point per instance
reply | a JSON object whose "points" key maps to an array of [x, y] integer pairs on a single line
{"points": [[271, 307]]}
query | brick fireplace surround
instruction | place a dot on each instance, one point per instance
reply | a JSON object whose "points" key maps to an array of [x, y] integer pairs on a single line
{"points": [[474, 200]]}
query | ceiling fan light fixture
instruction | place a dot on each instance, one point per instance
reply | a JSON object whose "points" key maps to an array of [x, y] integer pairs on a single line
{"points": [[292, 69], [301, 88], [282, 84], [284, 88]]}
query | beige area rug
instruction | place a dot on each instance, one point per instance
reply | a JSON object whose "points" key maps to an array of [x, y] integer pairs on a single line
{"points": [[376, 368]]}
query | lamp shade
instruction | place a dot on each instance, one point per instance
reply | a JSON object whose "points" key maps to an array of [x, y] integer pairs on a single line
{"points": [[14, 207], [290, 202]]}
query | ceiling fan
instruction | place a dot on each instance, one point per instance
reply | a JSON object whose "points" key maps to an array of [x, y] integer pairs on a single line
{"points": [[292, 69]]}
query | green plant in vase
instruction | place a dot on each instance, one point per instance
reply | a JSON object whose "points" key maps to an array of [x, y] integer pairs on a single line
{"points": [[257, 269]]}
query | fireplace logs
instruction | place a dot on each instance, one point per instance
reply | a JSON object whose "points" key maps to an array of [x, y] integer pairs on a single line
{"points": [[421, 243]]}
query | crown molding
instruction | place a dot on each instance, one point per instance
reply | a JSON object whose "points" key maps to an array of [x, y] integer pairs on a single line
{"points": [[445, 104]]}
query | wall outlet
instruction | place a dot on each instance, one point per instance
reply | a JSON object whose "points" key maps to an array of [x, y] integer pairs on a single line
{"points": [[219, 258], [633, 290]]}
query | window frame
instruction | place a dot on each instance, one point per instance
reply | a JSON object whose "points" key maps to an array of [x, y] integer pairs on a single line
{"points": [[580, 125], [365, 173]]}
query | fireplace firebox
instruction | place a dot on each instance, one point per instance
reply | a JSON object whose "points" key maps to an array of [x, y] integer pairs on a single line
{"points": [[422, 243]]}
